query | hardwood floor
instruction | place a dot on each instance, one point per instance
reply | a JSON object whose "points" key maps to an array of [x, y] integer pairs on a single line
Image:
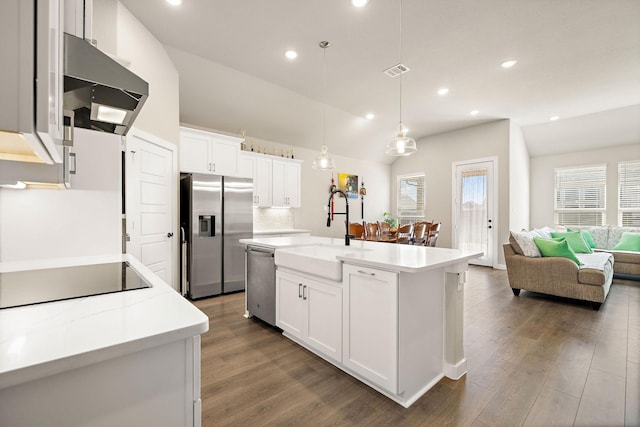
{"points": [[533, 360]]}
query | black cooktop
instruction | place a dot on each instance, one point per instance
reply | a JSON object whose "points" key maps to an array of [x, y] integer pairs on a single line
{"points": [[19, 288]]}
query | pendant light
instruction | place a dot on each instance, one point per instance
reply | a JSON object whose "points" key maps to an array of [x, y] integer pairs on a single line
{"points": [[401, 144], [324, 161]]}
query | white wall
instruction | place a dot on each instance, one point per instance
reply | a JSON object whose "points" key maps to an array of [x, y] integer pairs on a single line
{"points": [[160, 115], [435, 157], [315, 193], [542, 179], [41, 224], [518, 180]]}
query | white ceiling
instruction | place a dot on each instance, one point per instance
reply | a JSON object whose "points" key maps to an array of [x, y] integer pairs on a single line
{"points": [[577, 59]]}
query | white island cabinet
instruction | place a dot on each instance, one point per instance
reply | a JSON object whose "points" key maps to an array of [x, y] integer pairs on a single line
{"points": [[309, 311], [119, 359], [401, 316]]}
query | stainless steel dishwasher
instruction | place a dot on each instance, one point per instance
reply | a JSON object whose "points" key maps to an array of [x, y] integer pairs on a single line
{"points": [[261, 283]]}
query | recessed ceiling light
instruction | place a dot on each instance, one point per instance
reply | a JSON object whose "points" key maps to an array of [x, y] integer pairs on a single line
{"points": [[509, 63], [443, 91], [174, 2], [554, 118], [359, 3], [474, 112], [291, 54], [370, 116]]}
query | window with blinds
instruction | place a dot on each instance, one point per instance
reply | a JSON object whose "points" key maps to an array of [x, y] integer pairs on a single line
{"points": [[580, 195], [629, 194], [411, 196]]}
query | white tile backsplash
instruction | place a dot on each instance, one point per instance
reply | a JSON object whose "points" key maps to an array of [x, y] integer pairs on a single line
{"points": [[273, 219]]}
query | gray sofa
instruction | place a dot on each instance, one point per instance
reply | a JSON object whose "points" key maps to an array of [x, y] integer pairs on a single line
{"points": [[559, 276], [627, 264], [563, 277]]}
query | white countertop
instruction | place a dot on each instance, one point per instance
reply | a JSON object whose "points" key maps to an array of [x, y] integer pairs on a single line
{"points": [[386, 256], [45, 339]]}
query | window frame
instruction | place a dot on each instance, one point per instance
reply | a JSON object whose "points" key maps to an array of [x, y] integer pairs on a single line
{"points": [[419, 212], [584, 194], [629, 179]]}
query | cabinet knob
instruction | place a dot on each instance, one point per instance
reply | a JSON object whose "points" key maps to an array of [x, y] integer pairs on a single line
{"points": [[169, 234]]}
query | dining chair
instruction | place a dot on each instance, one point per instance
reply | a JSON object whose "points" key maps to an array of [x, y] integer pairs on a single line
{"points": [[371, 231], [384, 232], [404, 235], [434, 232], [356, 230], [419, 230]]}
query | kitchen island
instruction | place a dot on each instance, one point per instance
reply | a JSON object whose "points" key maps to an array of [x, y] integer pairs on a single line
{"points": [[123, 358], [390, 315]]}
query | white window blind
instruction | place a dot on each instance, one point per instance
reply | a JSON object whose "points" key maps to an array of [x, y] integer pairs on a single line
{"points": [[629, 194], [411, 196], [580, 195]]}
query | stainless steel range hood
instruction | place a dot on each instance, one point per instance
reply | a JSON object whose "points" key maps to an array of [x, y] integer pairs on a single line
{"points": [[102, 93]]}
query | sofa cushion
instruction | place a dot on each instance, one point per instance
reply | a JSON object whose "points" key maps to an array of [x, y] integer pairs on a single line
{"points": [[524, 244], [556, 248], [615, 234], [596, 268], [628, 242], [575, 240], [586, 235]]}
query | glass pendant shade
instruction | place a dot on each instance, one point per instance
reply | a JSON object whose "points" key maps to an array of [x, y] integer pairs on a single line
{"points": [[401, 144], [323, 161]]}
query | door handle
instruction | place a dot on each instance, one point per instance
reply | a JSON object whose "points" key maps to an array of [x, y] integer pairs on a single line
{"points": [[299, 290], [304, 295], [169, 234]]}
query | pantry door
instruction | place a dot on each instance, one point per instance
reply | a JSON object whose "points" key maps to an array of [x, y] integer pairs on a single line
{"points": [[474, 219], [150, 202]]}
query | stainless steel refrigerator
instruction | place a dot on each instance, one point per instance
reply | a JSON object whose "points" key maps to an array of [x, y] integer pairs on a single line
{"points": [[215, 212]]}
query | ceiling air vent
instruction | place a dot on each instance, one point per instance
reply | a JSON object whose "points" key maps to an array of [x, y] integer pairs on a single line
{"points": [[396, 70]]}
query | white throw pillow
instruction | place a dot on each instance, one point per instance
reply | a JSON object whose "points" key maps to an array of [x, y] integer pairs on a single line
{"points": [[526, 243]]}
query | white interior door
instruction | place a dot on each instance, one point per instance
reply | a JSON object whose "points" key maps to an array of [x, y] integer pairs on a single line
{"points": [[151, 179], [473, 209]]}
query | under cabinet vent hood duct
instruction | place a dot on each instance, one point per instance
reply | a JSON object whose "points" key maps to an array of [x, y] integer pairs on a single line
{"points": [[103, 94]]}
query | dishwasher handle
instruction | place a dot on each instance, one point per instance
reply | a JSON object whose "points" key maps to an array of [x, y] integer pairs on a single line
{"points": [[260, 251]]}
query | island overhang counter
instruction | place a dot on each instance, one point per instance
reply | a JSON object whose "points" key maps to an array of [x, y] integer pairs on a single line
{"points": [[393, 319]]}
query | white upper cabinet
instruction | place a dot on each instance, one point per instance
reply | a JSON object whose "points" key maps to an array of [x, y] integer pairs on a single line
{"points": [[207, 152], [286, 183], [262, 182], [31, 84], [276, 180], [257, 167]]}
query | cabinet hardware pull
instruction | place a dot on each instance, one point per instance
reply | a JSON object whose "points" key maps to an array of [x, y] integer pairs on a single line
{"points": [[299, 290], [73, 170], [366, 272], [304, 295]]}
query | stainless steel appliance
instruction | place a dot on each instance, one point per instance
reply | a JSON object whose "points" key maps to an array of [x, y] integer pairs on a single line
{"points": [[261, 283], [27, 287], [215, 212]]}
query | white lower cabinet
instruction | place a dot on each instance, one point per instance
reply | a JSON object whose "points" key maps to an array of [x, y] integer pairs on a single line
{"points": [[370, 325], [310, 311]]}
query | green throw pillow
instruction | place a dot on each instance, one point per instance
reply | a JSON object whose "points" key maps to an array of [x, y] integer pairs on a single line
{"points": [[575, 240], [586, 235], [556, 248], [628, 242]]}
